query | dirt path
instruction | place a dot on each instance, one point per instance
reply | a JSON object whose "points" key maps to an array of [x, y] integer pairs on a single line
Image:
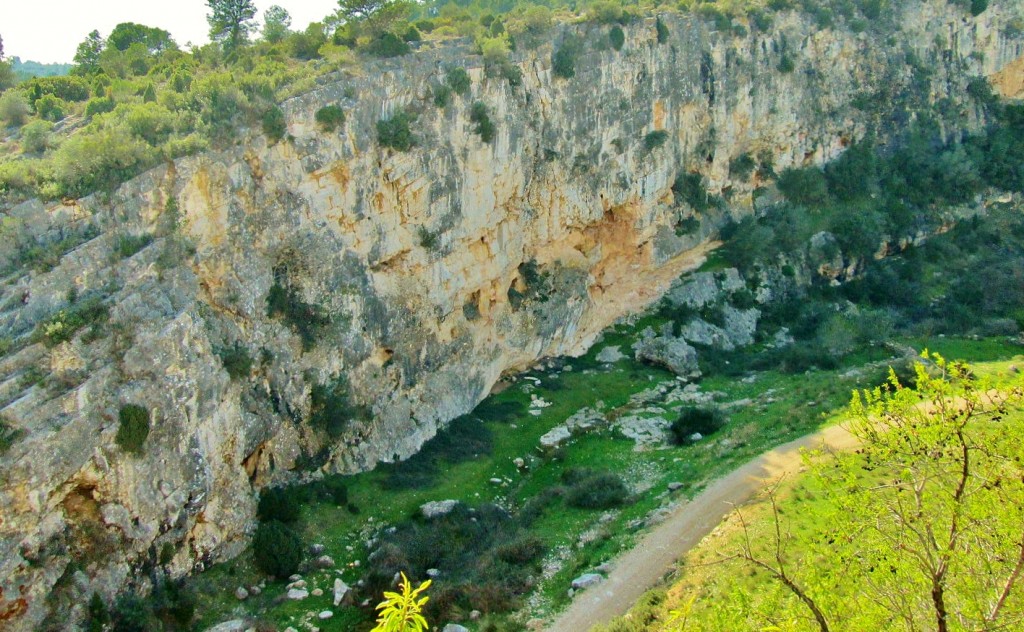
{"points": [[640, 568]]}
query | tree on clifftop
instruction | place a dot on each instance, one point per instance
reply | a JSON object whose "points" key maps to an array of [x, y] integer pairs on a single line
{"points": [[373, 16], [230, 21]]}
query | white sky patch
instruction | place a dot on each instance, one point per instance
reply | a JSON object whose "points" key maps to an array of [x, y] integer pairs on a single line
{"points": [[49, 31]]}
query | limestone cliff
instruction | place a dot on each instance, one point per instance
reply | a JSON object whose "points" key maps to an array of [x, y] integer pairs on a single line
{"points": [[429, 272]]}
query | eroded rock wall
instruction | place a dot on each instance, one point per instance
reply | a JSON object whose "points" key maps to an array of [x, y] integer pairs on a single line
{"points": [[438, 269]]}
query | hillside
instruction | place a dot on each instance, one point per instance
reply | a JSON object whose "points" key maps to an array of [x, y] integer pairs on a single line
{"points": [[249, 284]]}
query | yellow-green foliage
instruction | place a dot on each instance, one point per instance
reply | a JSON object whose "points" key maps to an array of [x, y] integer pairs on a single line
{"points": [[400, 612], [920, 524]]}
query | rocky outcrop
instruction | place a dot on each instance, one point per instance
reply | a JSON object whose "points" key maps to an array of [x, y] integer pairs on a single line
{"points": [[400, 285]]}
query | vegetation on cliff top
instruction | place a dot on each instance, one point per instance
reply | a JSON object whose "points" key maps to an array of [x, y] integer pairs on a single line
{"points": [[135, 99]]}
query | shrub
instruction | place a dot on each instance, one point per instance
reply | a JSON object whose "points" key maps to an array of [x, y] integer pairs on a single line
{"points": [[617, 37], [412, 34], [655, 139], [387, 45], [606, 11], [689, 187], [63, 325], [786, 64], [14, 108], [331, 408], [132, 614], [65, 88], [395, 133], [276, 549], [278, 503], [50, 108], [742, 166], [458, 80], [482, 124], [133, 428], [589, 489], [804, 186], [35, 137], [97, 615], [661, 30], [330, 117], [442, 95], [331, 488], [100, 105], [173, 603], [274, 125], [87, 162], [563, 62], [303, 318], [8, 435], [978, 7], [691, 421], [128, 245], [236, 360]]}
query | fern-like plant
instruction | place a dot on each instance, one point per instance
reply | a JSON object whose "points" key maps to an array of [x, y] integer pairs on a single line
{"points": [[400, 612]]}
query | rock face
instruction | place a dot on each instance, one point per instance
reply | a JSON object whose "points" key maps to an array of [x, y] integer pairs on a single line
{"points": [[412, 280]]}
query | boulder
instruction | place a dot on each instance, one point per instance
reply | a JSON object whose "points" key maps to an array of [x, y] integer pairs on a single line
{"points": [[454, 627], [610, 354], [437, 508], [342, 593], [586, 580], [297, 593], [241, 593], [317, 592], [235, 625], [325, 614], [325, 561], [672, 353], [555, 437]]}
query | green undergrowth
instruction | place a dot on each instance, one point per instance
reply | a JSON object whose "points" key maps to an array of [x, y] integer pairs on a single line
{"points": [[764, 409]]}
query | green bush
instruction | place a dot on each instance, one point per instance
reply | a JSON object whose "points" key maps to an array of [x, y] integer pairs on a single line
{"points": [[331, 488], [276, 549], [97, 615], [88, 162], [236, 360], [395, 133], [806, 186], [412, 34], [442, 95], [305, 319], [63, 325], [482, 124], [617, 37], [330, 117], [35, 137], [65, 88], [661, 30], [128, 245], [691, 421], [458, 80], [100, 105], [742, 166], [590, 489], [8, 435], [655, 139], [786, 64], [14, 108], [50, 108], [278, 503], [487, 559], [387, 45], [978, 6], [331, 407], [690, 188], [563, 62], [133, 428], [274, 125]]}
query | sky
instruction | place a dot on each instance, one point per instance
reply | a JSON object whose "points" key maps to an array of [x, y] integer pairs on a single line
{"points": [[49, 31]]}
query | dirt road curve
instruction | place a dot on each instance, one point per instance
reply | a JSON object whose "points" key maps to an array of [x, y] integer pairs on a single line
{"points": [[640, 568]]}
